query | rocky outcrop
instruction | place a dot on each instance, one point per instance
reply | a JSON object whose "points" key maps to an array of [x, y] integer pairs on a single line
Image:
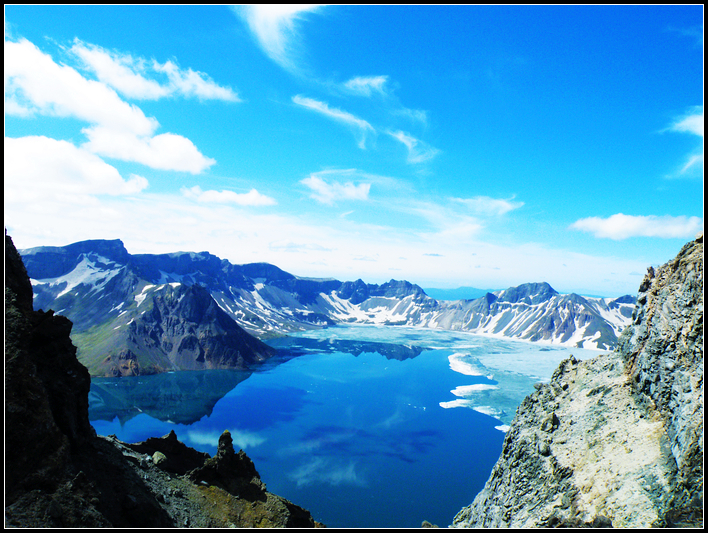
{"points": [[46, 388], [59, 473], [616, 440]]}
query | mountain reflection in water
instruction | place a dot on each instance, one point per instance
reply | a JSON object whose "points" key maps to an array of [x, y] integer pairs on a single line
{"points": [[179, 397], [186, 397]]}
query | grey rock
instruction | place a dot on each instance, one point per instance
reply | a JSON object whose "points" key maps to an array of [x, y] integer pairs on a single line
{"points": [[617, 440]]}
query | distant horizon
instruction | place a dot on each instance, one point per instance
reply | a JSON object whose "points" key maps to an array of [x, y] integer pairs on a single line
{"points": [[449, 146]]}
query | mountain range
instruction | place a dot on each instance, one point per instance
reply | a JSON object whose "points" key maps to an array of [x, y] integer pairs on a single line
{"points": [[149, 313]]}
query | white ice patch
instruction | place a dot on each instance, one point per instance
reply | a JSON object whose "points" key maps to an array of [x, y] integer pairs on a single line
{"points": [[466, 391], [487, 410], [460, 363], [456, 403]]}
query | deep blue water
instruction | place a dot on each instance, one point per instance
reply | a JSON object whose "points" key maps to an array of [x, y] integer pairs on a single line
{"points": [[361, 426]]}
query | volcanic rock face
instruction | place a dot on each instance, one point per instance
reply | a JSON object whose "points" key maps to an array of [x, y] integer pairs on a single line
{"points": [[58, 473], [180, 328], [617, 439]]}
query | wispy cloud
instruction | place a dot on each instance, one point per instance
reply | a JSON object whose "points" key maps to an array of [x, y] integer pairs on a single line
{"points": [[414, 115], [252, 198], [194, 84], [418, 151], [692, 123], [619, 227], [330, 193], [130, 76], [366, 86], [360, 125], [694, 33], [486, 206], [322, 470], [120, 71], [274, 27]]}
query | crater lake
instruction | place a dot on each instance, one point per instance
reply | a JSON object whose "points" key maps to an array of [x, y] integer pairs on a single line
{"points": [[363, 426]]}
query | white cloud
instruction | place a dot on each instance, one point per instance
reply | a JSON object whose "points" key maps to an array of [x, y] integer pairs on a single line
{"points": [[620, 226], [36, 83], [329, 193], [273, 25], [486, 206], [251, 198], [39, 168], [418, 151], [338, 115], [166, 151], [366, 86]]}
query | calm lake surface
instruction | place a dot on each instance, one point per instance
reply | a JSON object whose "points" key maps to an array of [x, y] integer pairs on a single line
{"points": [[362, 426]]}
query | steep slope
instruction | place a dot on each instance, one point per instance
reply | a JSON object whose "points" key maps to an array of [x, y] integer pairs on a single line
{"points": [[58, 473], [95, 284], [617, 439], [166, 328]]}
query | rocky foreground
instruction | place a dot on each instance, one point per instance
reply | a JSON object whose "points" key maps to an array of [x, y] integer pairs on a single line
{"points": [[59, 473], [616, 440]]}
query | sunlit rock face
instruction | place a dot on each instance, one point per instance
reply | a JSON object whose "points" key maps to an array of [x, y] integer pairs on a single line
{"points": [[617, 439]]}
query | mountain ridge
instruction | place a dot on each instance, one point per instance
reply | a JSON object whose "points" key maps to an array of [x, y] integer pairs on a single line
{"points": [[98, 283]]}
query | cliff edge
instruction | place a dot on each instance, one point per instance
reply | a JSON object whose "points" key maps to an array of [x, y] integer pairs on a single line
{"points": [[616, 440], [59, 473]]}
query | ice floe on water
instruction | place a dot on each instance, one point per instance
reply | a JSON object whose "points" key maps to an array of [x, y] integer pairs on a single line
{"points": [[456, 403], [469, 390], [461, 363]]}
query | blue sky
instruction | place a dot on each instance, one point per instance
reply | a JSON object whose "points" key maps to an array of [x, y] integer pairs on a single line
{"points": [[449, 146]]}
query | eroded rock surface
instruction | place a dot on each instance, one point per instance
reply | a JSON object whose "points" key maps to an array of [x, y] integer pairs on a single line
{"points": [[616, 440]]}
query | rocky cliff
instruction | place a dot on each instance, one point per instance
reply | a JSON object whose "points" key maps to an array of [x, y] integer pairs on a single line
{"points": [[616, 440], [59, 473]]}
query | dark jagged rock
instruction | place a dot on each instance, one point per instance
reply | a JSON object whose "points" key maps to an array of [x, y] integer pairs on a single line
{"points": [[58, 473], [233, 472], [46, 388], [616, 440], [178, 457]]}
